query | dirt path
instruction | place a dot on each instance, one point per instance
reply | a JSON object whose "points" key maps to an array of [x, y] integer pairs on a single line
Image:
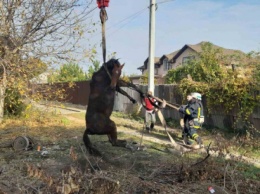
{"points": [[215, 153], [60, 108], [153, 170], [131, 128]]}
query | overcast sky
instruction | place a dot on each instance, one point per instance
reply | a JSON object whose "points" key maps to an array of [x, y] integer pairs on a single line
{"points": [[233, 24]]}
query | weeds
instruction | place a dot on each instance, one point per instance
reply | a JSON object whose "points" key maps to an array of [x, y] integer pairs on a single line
{"points": [[153, 169]]}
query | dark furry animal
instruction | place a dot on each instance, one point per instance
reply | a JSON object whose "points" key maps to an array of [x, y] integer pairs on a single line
{"points": [[103, 86]]}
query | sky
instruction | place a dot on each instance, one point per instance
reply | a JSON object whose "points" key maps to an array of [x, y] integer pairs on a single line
{"points": [[232, 24]]}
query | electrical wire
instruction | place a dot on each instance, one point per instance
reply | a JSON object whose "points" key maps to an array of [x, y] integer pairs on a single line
{"points": [[166, 1], [133, 17], [130, 18]]}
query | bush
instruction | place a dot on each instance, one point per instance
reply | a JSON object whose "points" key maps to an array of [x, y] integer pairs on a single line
{"points": [[13, 103]]}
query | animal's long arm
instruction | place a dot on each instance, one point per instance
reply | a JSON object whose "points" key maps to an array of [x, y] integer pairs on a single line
{"points": [[118, 89], [122, 83]]}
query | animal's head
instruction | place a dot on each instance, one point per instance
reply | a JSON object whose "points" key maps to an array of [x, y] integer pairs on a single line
{"points": [[115, 69]]}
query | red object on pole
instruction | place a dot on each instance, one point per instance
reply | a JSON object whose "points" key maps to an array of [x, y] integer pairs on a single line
{"points": [[102, 3]]}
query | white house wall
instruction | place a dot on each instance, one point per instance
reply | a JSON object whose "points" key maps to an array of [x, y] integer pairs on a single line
{"points": [[186, 53], [161, 71], [136, 81]]}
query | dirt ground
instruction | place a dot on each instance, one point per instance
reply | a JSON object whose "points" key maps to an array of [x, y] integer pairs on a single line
{"points": [[149, 164]]}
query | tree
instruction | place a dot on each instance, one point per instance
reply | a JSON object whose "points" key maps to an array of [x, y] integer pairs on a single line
{"points": [[221, 80], [254, 58], [35, 67], [45, 30], [125, 77], [93, 68], [68, 73], [205, 68], [144, 79]]}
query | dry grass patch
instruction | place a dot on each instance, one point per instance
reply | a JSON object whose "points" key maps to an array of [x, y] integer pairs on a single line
{"points": [[67, 168]]}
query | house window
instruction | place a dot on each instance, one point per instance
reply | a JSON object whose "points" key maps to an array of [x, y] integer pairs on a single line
{"points": [[166, 65], [169, 65], [186, 60]]}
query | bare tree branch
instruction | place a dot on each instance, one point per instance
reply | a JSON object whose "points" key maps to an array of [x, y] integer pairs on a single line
{"points": [[33, 31]]}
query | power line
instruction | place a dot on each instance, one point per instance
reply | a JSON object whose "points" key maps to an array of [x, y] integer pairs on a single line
{"points": [[133, 15], [166, 1], [132, 18], [129, 18]]}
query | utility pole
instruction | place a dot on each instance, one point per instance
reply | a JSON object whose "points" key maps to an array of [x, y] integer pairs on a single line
{"points": [[151, 47]]}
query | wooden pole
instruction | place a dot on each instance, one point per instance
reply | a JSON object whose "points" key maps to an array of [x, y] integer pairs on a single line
{"points": [[168, 104]]}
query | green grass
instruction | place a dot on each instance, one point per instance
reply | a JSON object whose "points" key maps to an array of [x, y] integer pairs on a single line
{"points": [[249, 171], [65, 121], [205, 131], [128, 116], [139, 163], [80, 115]]}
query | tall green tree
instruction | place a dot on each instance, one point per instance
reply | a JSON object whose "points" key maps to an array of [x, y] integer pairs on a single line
{"points": [[144, 79], [205, 68], [254, 58], [93, 68], [68, 73], [224, 82]]}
